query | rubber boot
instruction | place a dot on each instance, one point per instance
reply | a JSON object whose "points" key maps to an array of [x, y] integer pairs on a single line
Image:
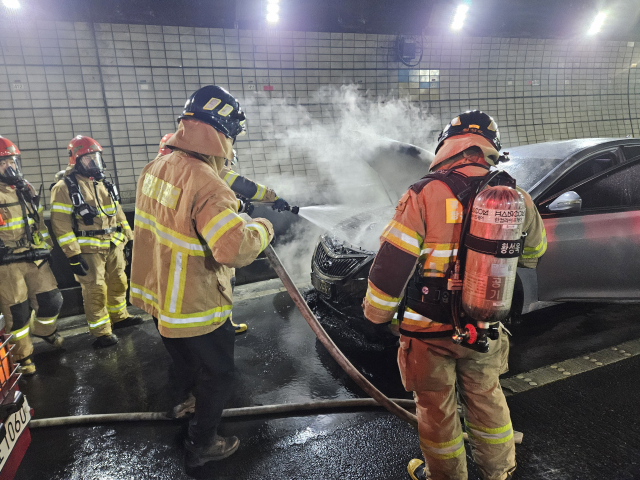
{"points": [[184, 409], [128, 322], [55, 339], [27, 367], [106, 341], [219, 449], [416, 470], [240, 327]]}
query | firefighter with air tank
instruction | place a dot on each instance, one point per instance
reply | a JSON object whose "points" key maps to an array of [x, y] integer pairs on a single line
{"points": [[447, 265], [92, 230], [28, 283]]}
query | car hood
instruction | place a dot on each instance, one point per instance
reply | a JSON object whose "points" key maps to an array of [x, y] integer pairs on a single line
{"points": [[363, 230]]}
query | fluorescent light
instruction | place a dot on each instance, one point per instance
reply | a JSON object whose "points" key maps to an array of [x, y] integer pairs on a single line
{"points": [[273, 8], [460, 15], [273, 17], [597, 23], [275, 2], [14, 4]]}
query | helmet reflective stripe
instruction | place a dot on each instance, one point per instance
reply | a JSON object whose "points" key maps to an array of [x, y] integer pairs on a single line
{"points": [[211, 104], [226, 110]]}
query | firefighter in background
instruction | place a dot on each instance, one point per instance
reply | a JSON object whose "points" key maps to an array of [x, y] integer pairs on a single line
{"points": [[188, 239], [247, 190], [92, 230], [26, 284], [418, 250]]}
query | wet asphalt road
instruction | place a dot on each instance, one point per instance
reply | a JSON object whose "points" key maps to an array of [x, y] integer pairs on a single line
{"points": [[584, 427]]}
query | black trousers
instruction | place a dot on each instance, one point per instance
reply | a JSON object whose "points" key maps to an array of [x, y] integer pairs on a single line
{"points": [[204, 365]]}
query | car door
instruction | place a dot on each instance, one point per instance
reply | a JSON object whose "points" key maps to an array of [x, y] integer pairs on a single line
{"points": [[594, 254]]}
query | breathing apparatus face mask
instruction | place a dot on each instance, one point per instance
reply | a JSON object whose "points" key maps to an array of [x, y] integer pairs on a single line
{"points": [[10, 172], [91, 165]]}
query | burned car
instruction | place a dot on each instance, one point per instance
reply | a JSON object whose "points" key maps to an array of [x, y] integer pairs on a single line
{"points": [[588, 194]]}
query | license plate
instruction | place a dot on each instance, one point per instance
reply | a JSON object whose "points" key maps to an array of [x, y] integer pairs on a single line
{"points": [[14, 425], [322, 286]]}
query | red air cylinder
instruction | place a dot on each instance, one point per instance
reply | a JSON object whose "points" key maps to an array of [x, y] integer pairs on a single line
{"points": [[498, 214]]}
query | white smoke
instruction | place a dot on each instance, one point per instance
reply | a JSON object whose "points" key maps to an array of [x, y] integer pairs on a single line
{"points": [[343, 133]]}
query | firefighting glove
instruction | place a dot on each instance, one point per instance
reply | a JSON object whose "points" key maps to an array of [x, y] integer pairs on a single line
{"points": [[78, 265], [128, 252], [280, 204], [245, 206]]}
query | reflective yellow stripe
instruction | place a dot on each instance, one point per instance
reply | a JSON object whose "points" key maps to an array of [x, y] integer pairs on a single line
{"points": [[402, 237], [380, 300], [66, 239], [45, 234], [219, 225], [264, 235], [46, 321], [118, 238], [493, 436], [20, 333], [116, 308], [436, 258], [61, 207], [538, 250], [411, 317], [231, 177], [144, 294], [444, 450], [215, 315], [168, 237], [100, 321], [94, 242], [14, 224], [125, 225], [260, 192], [176, 283]]}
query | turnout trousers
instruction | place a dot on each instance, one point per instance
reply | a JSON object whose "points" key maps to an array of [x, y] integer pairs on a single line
{"points": [[431, 369], [204, 366], [25, 287], [104, 289]]}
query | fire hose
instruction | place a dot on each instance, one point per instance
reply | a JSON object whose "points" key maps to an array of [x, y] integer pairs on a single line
{"points": [[394, 406]]}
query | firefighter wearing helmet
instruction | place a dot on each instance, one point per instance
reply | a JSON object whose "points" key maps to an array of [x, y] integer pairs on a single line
{"points": [[28, 282], [246, 190], [427, 274], [92, 230], [188, 239]]}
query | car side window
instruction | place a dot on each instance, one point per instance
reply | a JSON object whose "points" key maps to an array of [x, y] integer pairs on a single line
{"points": [[631, 152], [592, 166], [620, 188]]}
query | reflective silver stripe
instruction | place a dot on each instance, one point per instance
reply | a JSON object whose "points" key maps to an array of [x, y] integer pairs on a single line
{"points": [[176, 283], [46, 321], [416, 316], [168, 237], [21, 333], [202, 319], [144, 294], [219, 224], [100, 321]]}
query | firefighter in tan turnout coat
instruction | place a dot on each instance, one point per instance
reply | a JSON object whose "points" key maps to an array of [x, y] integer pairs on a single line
{"points": [[27, 280], [418, 250], [92, 230], [188, 238]]}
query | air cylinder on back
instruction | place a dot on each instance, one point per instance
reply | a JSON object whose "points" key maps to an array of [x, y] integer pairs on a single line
{"points": [[497, 218]]}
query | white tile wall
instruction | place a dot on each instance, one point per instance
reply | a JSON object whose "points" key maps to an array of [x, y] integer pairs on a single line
{"points": [[124, 85]]}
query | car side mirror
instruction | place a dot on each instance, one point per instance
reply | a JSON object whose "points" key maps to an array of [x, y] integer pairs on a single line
{"points": [[568, 202]]}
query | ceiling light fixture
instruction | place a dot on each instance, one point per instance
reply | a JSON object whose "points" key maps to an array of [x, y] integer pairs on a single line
{"points": [[272, 11], [459, 16], [13, 4], [597, 23]]}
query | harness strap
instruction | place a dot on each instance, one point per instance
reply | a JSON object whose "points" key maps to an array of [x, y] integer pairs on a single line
{"points": [[497, 248], [95, 233]]}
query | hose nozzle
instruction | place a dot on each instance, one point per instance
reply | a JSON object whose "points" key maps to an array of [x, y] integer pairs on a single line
{"points": [[293, 210]]}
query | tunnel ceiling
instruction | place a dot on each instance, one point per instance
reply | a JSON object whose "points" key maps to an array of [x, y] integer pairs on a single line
{"points": [[503, 18]]}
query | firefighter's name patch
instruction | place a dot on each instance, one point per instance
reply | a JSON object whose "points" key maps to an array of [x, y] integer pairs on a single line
{"points": [[161, 191], [454, 211]]}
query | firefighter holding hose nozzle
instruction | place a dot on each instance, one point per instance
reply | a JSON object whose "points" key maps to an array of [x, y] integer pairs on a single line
{"points": [[27, 280], [447, 266], [247, 191], [188, 238]]}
